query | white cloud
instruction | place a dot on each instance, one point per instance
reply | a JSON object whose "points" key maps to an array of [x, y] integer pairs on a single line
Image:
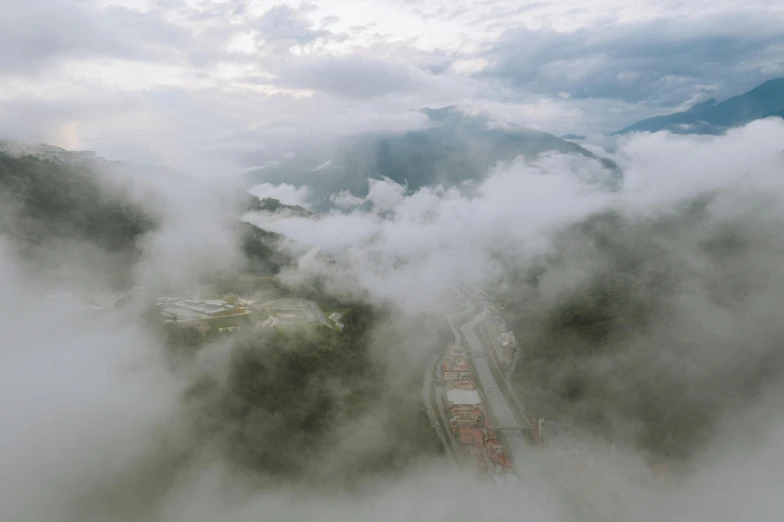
{"points": [[346, 199], [113, 58], [285, 193], [413, 249]]}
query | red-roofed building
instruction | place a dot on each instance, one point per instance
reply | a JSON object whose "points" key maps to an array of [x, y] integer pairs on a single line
{"points": [[466, 416], [471, 436], [455, 368]]}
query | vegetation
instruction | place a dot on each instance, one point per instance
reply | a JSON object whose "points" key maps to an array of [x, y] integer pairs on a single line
{"points": [[45, 201], [617, 326], [453, 148], [275, 205], [311, 402], [52, 200], [315, 403]]}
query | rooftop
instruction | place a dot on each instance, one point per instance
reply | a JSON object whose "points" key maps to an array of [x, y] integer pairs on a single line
{"points": [[459, 396], [470, 435], [192, 309]]}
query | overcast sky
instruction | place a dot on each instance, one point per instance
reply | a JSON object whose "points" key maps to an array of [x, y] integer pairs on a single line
{"points": [[174, 80]]}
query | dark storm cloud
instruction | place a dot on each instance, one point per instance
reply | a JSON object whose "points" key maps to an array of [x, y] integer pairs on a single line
{"points": [[37, 33], [659, 61]]}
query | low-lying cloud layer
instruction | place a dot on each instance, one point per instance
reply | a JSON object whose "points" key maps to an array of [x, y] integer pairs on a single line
{"points": [[97, 427], [646, 315], [419, 246]]}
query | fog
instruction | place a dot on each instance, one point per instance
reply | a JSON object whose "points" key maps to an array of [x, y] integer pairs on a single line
{"points": [[97, 425]]}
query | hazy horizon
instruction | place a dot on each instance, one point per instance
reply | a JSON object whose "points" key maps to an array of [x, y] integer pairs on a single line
{"points": [[640, 276]]}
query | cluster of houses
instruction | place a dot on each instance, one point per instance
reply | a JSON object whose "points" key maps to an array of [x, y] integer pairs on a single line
{"points": [[468, 422]]}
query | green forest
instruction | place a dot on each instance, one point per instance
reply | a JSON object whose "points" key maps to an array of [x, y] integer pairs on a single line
{"points": [[45, 201], [608, 339], [292, 400], [307, 402]]}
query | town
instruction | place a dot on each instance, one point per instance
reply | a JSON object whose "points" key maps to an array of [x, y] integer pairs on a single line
{"points": [[478, 415], [471, 428], [468, 418]]}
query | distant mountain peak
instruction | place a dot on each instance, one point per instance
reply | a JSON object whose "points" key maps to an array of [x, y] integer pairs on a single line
{"points": [[710, 117], [441, 113], [455, 114], [275, 206], [703, 105], [457, 146]]}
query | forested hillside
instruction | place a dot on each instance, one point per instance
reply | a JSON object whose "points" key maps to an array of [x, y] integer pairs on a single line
{"points": [[304, 402], [452, 148], [647, 330], [43, 199], [320, 405]]}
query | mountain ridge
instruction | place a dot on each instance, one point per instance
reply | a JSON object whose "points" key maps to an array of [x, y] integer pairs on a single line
{"points": [[712, 117], [453, 148]]}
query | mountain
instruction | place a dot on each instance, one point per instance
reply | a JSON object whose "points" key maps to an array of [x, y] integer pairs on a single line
{"points": [[46, 200], [274, 206], [48, 197], [710, 117], [84, 159], [454, 147]]}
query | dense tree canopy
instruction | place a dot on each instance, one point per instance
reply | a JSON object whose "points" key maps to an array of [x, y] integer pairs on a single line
{"points": [[291, 399], [47, 199]]}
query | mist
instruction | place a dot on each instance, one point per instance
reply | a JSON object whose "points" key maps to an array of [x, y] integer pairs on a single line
{"points": [[646, 314]]}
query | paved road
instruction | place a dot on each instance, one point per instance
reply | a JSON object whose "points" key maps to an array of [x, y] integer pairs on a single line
{"points": [[432, 412], [504, 414], [501, 410]]}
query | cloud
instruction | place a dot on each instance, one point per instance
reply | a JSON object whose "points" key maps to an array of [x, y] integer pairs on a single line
{"points": [[35, 34], [87, 401], [346, 199], [285, 193], [284, 25], [297, 81], [659, 61], [647, 313], [413, 249], [352, 76]]}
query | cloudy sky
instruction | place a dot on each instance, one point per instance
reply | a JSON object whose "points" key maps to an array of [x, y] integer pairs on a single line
{"points": [[181, 81]]}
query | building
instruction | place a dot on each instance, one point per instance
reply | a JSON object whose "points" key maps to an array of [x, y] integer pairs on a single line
{"points": [[455, 368], [220, 315], [471, 436], [482, 442], [455, 350], [463, 397], [466, 416]]}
